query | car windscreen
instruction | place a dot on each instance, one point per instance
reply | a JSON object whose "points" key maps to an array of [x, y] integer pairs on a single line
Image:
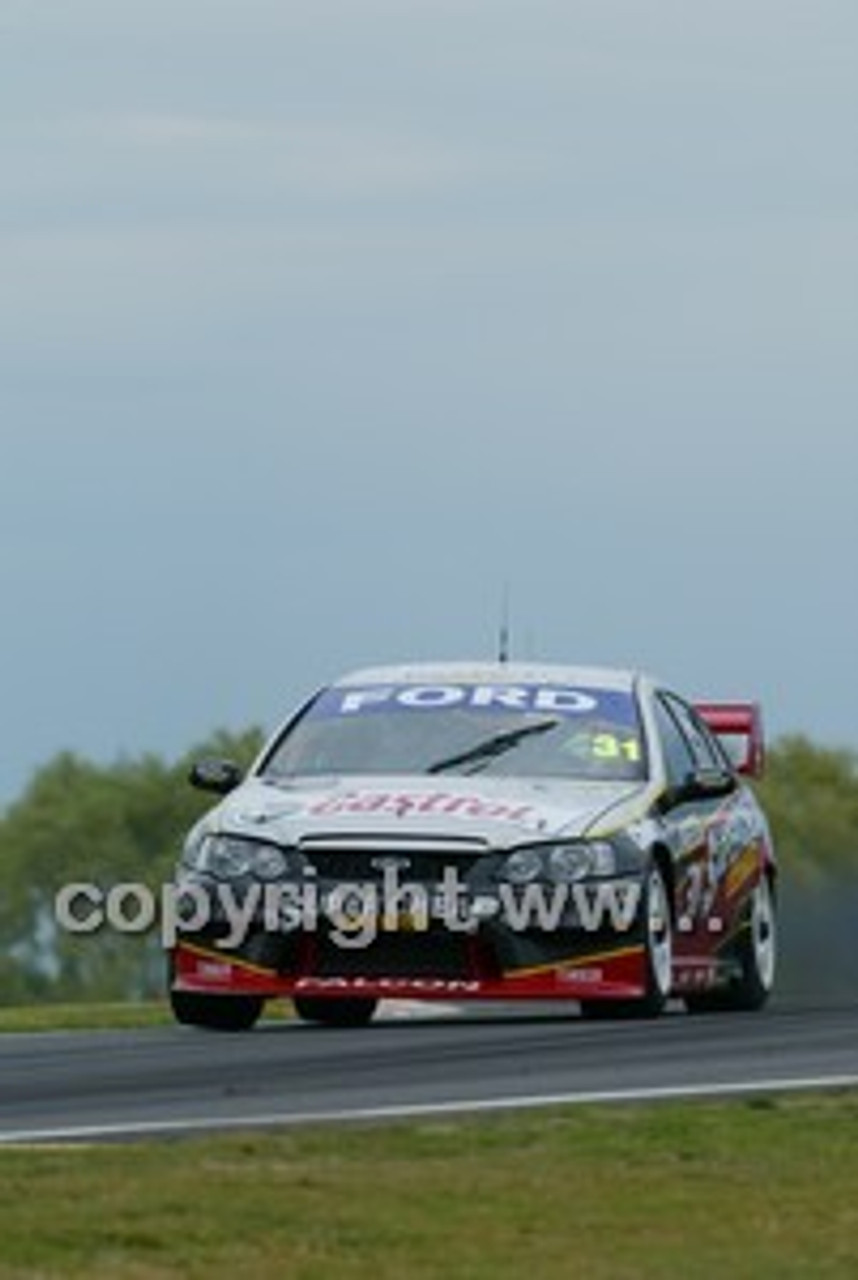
{"points": [[526, 730]]}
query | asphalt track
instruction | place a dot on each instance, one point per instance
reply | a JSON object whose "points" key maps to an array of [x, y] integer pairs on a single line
{"points": [[91, 1086]]}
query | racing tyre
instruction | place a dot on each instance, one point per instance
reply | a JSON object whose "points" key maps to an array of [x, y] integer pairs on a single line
{"points": [[757, 953], [216, 1013], [353, 1011], [658, 942]]}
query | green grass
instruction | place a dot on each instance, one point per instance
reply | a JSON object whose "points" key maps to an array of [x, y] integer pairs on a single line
{"points": [[745, 1189], [84, 1016], [102, 1017]]}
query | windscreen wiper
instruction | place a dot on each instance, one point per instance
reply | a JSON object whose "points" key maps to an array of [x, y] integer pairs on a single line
{"points": [[496, 745]]}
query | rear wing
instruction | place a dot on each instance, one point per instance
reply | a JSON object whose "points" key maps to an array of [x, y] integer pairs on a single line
{"points": [[739, 727]]}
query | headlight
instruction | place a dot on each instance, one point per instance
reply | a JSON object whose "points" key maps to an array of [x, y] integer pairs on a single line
{"points": [[231, 858], [522, 866], [576, 861], [223, 857], [561, 863], [268, 862], [569, 862]]}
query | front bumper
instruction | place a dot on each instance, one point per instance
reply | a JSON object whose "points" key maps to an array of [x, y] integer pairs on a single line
{"points": [[471, 942], [435, 964]]}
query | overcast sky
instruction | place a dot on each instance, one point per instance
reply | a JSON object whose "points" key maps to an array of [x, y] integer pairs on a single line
{"points": [[324, 322]]}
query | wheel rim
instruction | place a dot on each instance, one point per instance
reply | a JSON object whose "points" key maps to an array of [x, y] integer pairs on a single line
{"points": [[763, 935], [659, 935]]}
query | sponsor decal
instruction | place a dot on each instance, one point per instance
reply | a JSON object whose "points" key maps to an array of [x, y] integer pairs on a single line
{"points": [[554, 700], [398, 804], [259, 817], [445, 986], [742, 870], [689, 835], [694, 977], [729, 858], [503, 697], [583, 976], [402, 804], [566, 970], [208, 964]]}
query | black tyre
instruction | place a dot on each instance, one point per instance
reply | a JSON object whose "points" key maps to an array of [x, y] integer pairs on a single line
{"points": [[757, 952], [658, 941], [216, 1013], [351, 1011]]}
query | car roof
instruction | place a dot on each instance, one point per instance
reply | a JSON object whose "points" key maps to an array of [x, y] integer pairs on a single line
{"points": [[482, 672]]}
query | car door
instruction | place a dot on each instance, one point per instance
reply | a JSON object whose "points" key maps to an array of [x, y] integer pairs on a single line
{"points": [[693, 826]]}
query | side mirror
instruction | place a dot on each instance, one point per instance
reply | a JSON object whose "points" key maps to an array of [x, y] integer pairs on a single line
{"points": [[220, 776], [701, 784], [710, 782]]}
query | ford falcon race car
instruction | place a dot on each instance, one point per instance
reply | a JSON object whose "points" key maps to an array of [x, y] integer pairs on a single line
{"points": [[494, 830]]}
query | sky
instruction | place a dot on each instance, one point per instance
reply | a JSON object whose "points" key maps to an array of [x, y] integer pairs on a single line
{"points": [[326, 325]]}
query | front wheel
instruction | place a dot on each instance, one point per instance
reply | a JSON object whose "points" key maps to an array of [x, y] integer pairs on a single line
{"points": [[348, 1011], [658, 946], [757, 951], [216, 1013]]}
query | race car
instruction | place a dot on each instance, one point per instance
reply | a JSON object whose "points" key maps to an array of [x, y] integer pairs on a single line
{"points": [[488, 830]]}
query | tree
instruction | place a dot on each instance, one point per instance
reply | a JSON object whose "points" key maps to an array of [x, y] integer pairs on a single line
{"points": [[78, 822], [811, 795]]}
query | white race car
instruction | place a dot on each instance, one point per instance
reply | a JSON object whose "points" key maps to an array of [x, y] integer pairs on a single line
{"points": [[464, 831]]}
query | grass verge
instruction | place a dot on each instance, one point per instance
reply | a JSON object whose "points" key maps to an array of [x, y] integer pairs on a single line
{"points": [[103, 1017], [84, 1017], [750, 1189]]}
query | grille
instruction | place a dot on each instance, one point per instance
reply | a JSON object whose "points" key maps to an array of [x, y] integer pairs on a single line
{"points": [[423, 866], [433, 954]]}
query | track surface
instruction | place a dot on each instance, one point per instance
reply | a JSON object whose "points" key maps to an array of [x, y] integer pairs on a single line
{"points": [[62, 1086]]}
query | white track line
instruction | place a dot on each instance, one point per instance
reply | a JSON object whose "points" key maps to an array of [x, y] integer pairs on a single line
{"points": [[416, 1010], [274, 1119]]}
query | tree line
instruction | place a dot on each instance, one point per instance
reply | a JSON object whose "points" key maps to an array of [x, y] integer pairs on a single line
{"points": [[120, 823]]}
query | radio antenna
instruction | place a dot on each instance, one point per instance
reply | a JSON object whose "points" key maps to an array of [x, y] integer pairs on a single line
{"points": [[503, 635]]}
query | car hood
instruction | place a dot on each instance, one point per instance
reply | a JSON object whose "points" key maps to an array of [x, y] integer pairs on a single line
{"points": [[500, 812]]}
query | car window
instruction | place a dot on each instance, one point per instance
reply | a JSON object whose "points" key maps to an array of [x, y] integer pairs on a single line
{"points": [[704, 746], [537, 730], [678, 758]]}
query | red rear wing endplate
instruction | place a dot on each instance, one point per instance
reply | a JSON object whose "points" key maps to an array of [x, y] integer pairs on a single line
{"points": [[739, 725]]}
